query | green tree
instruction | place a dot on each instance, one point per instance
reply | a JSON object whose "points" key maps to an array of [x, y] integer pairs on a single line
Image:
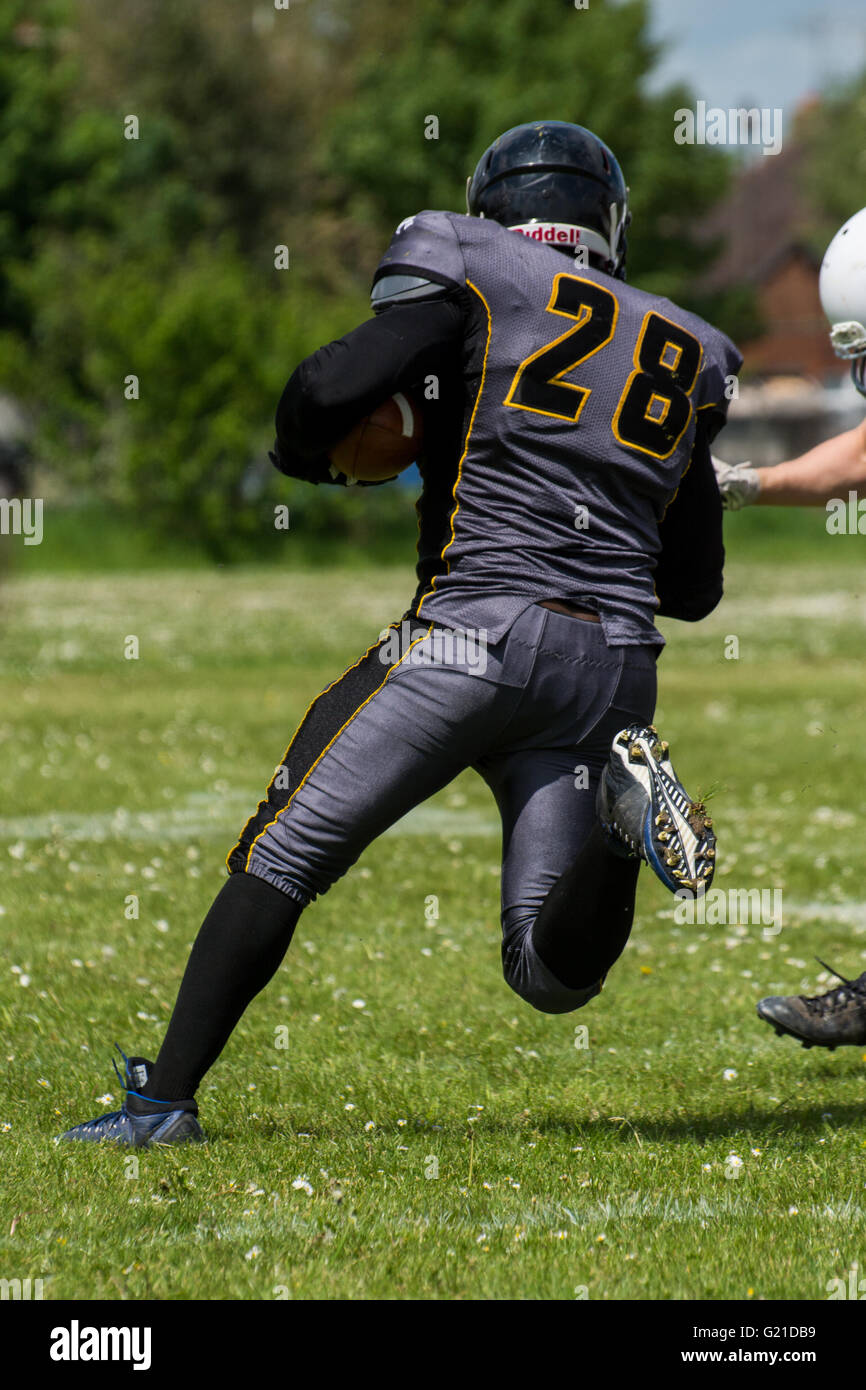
{"points": [[35, 84], [159, 381], [832, 134], [153, 257], [480, 69]]}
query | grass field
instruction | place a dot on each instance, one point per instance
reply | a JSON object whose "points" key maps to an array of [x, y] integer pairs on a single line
{"points": [[389, 1120]]}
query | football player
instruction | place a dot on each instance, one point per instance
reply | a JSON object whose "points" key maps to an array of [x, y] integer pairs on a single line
{"points": [[823, 474], [564, 410]]}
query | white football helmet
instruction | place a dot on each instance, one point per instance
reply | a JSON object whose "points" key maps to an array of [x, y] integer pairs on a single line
{"points": [[842, 287]]}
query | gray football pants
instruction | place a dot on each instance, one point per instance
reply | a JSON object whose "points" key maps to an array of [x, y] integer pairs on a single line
{"points": [[416, 710]]}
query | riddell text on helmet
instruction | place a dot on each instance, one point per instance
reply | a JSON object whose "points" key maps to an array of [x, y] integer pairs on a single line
{"points": [[549, 231]]}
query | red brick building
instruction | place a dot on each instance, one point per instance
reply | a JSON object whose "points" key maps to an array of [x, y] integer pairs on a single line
{"points": [[762, 224]]}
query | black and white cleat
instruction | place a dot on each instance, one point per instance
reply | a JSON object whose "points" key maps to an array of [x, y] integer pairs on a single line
{"points": [[646, 811]]}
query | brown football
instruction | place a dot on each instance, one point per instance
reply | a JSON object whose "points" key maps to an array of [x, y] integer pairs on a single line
{"points": [[383, 444]]}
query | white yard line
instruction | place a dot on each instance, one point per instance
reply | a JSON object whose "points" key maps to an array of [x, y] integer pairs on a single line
{"points": [[832, 605], [201, 816], [849, 913]]}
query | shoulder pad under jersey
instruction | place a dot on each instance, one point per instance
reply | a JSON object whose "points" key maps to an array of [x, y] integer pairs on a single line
{"points": [[425, 246], [402, 289]]}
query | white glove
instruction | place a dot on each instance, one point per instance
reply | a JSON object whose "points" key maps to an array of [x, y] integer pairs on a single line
{"points": [[738, 483]]}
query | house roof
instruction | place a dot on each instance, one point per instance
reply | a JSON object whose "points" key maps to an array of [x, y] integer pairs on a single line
{"points": [[760, 222]]}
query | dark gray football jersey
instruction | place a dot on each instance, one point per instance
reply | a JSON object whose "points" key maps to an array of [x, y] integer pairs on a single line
{"points": [[583, 397]]}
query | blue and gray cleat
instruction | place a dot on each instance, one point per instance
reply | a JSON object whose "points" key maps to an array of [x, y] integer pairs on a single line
{"points": [[646, 811], [135, 1124]]}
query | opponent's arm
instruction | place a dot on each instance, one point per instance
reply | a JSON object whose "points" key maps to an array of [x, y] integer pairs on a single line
{"points": [[836, 466]]}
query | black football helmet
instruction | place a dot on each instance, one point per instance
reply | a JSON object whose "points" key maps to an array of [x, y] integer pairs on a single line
{"points": [[557, 183]]}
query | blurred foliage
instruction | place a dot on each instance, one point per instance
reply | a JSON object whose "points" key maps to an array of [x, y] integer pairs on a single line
{"points": [[832, 132], [481, 69], [184, 446], [36, 163], [154, 258], [305, 127]]}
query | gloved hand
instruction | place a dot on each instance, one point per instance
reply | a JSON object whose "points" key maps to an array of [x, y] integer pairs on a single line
{"points": [[739, 484]]}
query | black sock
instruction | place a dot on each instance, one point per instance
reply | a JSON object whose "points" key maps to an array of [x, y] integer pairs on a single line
{"points": [[585, 920], [240, 946]]}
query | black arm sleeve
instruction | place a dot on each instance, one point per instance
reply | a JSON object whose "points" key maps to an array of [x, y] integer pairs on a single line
{"points": [[344, 381], [688, 577]]}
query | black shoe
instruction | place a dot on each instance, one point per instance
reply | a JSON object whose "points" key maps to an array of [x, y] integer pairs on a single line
{"points": [[835, 1019], [136, 1124]]}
